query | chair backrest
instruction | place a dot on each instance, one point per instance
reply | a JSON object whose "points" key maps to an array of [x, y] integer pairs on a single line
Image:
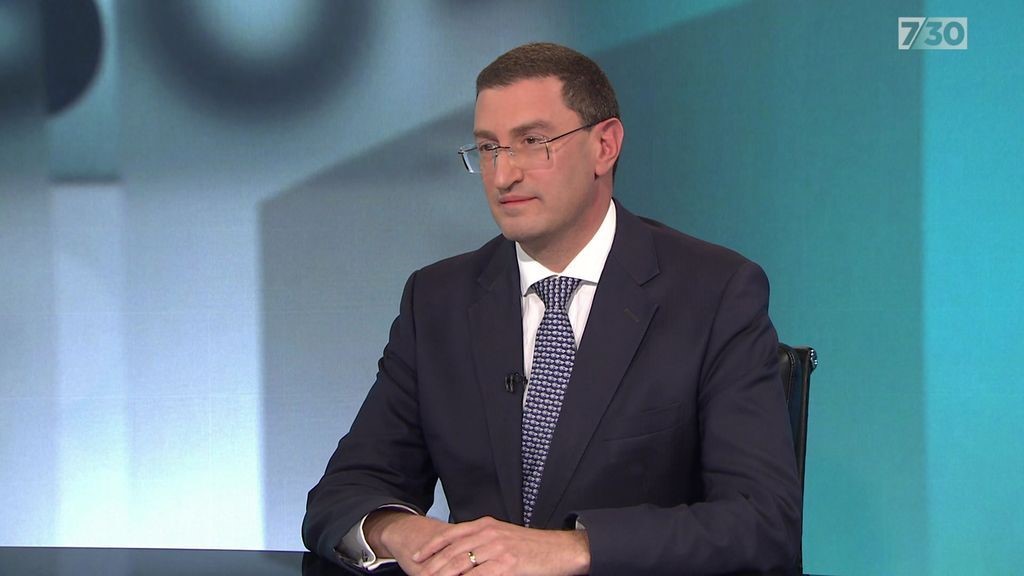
{"points": [[795, 367]]}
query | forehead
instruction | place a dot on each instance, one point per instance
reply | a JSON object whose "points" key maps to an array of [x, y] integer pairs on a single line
{"points": [[530, 101]]}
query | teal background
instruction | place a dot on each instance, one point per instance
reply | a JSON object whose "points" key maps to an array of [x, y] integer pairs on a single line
{"points": [[973, 275], [195, 287]]}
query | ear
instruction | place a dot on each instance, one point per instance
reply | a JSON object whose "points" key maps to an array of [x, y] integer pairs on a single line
{"points": [[608, 145]]}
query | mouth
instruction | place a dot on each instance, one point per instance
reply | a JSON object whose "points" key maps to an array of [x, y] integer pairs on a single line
{"points": [[513, 200]]}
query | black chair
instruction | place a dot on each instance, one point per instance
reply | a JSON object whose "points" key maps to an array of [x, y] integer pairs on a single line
{"points": [[795, 367]]}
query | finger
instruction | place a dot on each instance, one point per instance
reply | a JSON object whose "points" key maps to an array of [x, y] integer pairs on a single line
{"points": [[457, 558], [485, 555], [488, 563], [445, 537], [488, 569], [438, 542]]}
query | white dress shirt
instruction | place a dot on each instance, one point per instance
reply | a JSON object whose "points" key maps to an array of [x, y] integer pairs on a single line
{"points": [[587, 266]]}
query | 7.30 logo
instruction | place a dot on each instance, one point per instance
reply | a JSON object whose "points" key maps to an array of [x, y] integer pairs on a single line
{"points": [[921, 33]]}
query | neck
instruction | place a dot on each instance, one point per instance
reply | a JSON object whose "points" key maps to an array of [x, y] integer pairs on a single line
{"points": [[553, 259], [556, 253]]}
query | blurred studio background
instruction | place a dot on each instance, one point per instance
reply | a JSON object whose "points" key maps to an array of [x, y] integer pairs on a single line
{"points": [[208, 209]]}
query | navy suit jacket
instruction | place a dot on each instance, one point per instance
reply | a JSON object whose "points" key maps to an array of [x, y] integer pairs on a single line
{"points": [[672, 448]]}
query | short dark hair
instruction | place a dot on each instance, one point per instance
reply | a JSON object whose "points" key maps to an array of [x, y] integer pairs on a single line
{"points": [[585, 88]]}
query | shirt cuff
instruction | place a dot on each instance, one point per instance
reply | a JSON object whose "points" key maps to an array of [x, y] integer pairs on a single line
{"points": [[355, 550]]}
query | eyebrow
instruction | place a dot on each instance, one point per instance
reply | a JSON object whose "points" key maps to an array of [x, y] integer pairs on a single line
{"points": [[518, 130]]}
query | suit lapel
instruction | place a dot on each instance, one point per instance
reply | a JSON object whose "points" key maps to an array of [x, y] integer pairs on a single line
{"points": [[496, 329], [617, 323]]}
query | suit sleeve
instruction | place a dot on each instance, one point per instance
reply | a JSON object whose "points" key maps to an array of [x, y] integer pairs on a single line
{"points": [[383, 460], [750, 515]]}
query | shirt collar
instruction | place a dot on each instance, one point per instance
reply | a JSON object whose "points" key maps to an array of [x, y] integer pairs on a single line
{"points": [[587, 265]]}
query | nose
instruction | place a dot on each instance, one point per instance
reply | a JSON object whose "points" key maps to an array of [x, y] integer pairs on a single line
{"points": [[506, 172]]}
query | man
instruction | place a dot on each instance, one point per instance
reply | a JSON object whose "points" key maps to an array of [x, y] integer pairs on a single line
{"points": [[649, 435]]}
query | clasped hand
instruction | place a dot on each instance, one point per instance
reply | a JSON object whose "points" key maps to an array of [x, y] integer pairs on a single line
{"points": [[485, 547]]}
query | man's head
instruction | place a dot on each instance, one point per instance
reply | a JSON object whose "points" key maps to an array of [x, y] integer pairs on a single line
{"points": [[585, 88], [537, 96]]}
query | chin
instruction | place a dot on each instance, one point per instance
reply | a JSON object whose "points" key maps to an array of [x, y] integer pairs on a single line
{"points": [[515, 233], [520, 228], [512, 234], [510, 228]]}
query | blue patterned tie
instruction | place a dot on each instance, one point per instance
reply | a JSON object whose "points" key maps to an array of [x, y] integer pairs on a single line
{"points": [[553, 355]]}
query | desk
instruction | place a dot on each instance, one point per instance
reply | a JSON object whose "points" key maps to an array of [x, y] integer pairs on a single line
{"points": [[163, 562], [160, 562]]}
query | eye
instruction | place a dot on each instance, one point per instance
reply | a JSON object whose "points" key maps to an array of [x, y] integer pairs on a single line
{"points": [[487, 146], [533, 140]]}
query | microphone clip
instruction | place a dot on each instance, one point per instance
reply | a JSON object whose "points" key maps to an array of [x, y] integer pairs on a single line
{"points": [[512, 380]]}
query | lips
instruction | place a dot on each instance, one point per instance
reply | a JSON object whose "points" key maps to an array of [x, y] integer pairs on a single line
{"points": [[513, 200]]}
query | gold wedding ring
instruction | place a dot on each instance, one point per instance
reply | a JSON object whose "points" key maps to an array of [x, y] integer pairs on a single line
{"points": [[472, 558]]}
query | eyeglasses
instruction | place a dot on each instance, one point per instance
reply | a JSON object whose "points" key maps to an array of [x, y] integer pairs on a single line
{"points": [[529, 153]]}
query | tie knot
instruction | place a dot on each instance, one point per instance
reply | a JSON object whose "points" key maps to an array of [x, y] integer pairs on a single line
{"points": [[555, 291]]}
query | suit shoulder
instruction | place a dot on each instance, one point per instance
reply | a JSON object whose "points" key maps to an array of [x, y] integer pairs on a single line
{"points": [[677, 248], [467, 266]]}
